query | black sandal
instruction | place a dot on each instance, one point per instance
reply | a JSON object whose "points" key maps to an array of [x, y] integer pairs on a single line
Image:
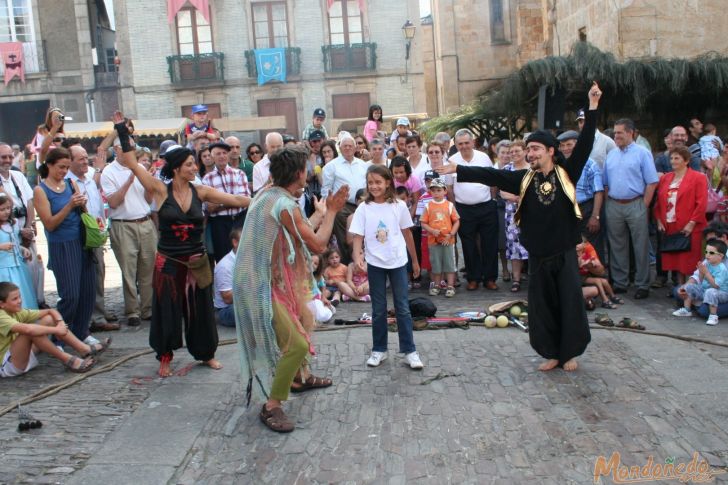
{"points": [[276, 420], [618, 300], [515, 286], [609, 305], [85, 365]]}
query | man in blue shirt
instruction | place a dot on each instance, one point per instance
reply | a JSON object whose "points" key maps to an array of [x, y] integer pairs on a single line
{"points": [[630, 180], [589, 194]]}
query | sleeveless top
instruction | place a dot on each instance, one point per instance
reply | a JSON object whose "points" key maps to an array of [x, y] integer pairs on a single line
{"points": [[70, 228], [181, 233]]}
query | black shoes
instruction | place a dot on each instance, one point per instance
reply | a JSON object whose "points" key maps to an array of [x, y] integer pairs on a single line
{"points": [[640, 294]]}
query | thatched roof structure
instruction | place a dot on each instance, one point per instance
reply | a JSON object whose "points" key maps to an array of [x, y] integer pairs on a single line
{"points": [[657, 90]]}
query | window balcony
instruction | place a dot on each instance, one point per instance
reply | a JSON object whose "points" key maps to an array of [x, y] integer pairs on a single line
{"points": [[106, 79], [353, 57], [293, 62], [196, 69]]}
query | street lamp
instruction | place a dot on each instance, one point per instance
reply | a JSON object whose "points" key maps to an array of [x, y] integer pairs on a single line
{"points": [[409, 33]]}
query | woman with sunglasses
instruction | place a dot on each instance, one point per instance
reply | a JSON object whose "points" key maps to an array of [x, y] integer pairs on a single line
{"points": [[362, 148], [253, 155]]}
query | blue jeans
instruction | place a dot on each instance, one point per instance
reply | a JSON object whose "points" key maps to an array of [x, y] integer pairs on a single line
{"points": [[225, 316], [378, 291]]}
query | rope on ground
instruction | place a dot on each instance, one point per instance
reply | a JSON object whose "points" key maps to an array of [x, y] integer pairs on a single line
{"points": [[55, 388]]}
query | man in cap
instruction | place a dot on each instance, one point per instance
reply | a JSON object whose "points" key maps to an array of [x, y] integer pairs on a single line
{"points": [[589, 194], [317, 123], [201, 125], [549, 216], [602, 143], [222, 218], [315, 162]]}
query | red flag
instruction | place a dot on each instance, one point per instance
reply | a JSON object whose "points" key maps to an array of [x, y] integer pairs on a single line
{"points": [[173, 6], [203, 6], [12, 55]]}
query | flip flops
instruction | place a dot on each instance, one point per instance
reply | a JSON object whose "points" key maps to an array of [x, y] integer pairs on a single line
{"points": [[603, 320]]}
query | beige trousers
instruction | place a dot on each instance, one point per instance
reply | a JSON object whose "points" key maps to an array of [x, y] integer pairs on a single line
{"points": [[135, 247]]}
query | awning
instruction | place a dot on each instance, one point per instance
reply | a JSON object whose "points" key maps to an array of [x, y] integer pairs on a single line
{"points": [[158, 127]]}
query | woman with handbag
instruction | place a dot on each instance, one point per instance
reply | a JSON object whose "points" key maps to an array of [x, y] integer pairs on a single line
{"points": [[58, 204], [682, 196], [182, 296]]}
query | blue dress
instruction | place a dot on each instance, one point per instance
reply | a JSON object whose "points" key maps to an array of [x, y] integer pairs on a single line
{"points": [[13, 267], [514, 249]]}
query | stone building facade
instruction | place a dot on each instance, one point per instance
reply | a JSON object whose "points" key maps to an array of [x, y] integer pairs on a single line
{"points": [[341, 59], [68, 46], [478, 44]]}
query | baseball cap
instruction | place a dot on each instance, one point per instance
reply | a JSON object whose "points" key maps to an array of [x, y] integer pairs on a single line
{"points": [[438, 183], [431, 174], [316, 135], [166, 146], [319, 113], [288, 138], [403, 121], [568, 135], [199, 108], [580, 115]]}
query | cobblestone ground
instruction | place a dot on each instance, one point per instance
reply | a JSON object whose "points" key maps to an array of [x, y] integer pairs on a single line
{"points": [[477, 413]]}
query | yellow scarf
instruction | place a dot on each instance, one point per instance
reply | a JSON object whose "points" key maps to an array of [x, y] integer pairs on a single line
{"points": [[565, 183]]}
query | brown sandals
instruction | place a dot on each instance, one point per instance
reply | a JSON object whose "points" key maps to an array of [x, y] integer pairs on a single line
{"points": [[276, 420], [312, 382]]}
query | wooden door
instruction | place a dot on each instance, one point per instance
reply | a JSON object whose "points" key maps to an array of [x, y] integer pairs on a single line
{"points": [[347, 106], [280, 107]]}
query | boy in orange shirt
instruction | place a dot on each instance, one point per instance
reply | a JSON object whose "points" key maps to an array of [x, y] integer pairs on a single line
{"points": [[441, 221]]}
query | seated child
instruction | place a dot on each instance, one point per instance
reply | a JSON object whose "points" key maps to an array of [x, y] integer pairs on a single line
{"points": [[592, 274], [356, 286], [334, 274], [320, 306], [441, 221], [23, 333], [709, 283]]}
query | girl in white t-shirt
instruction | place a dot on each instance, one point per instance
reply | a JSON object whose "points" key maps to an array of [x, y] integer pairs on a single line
{"points": [[381, 229]]}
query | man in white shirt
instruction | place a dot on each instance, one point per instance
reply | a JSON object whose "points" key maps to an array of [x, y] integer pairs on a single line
{"points": [[346, 169], [133, 238], [261, 170], [86, 181], [478, 216], [602, 143], [224, 310]]}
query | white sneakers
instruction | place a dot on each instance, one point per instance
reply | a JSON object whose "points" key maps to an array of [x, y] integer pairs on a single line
{"points": [[412, 359], [682, 312], [712, 320], [376, 358]]}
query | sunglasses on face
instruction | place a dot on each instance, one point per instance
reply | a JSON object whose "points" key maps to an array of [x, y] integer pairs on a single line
{"points": [[712, 253], [255, 153], [434, 152]]}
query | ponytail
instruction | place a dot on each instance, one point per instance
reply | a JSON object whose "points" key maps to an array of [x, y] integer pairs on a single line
{"points": [[43, 171], [51, 159]]}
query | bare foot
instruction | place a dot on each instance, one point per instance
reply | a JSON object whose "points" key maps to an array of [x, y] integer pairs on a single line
{"points": [[164, 369], [213, 364], [548, 365], [570, 365]]}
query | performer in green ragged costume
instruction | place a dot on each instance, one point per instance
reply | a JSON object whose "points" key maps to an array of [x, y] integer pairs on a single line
{"points": [[272, 285]]}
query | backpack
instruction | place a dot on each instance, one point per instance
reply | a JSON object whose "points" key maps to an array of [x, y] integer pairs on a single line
{"points": [[422, 307]]}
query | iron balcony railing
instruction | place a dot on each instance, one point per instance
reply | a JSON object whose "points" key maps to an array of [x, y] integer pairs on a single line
{"points": [[293, 62], [351, 57], [196, 68], [106, 79]]}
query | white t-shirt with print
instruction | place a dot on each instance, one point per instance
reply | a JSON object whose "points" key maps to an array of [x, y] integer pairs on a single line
{"points": [[381, 225]]}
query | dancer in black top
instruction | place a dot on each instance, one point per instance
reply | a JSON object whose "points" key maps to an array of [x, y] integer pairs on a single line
{"points": [[182, 296], [549, 215]]}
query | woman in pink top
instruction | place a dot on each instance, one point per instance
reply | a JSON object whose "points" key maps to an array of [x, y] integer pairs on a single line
{"points": [[374, 122]]}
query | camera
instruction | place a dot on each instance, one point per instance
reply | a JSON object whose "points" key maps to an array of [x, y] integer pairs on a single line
{"points": [[19, 212], [62, 117]]}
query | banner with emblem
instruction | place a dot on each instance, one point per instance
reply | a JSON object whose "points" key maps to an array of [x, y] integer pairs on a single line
{"points": [[13, 62], [271, 65]]}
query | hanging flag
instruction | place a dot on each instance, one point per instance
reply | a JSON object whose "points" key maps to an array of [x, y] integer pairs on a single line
{"points": [[13, 62], [330, 3], [271, 64], [174, 6]]}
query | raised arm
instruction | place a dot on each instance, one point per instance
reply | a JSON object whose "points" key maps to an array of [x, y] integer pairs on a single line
{"points": [[584, 144], [509, 181], [316, 241], [128, 159]]}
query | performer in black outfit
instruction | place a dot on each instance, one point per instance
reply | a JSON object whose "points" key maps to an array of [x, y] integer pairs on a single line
{"points": [[182, 298], [549, 215]]}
